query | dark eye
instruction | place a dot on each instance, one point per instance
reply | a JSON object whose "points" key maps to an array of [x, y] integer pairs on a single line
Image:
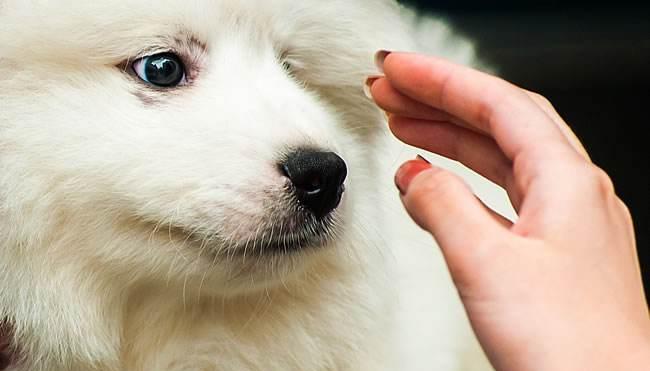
{"points": [[164, 70], [284, 59]]}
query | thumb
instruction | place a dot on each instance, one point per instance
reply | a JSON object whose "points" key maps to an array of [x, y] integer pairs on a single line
{"points": [[443, 204]]}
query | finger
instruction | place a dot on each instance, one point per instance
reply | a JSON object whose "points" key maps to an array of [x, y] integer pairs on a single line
{"points": [[491, 104], [390, 100], [396, 103], [476, 151], [548, 108], [544, 162], [443, 204]]}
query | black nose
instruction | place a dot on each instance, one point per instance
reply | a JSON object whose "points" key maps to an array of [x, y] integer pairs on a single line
{"points": [[317, 179]]}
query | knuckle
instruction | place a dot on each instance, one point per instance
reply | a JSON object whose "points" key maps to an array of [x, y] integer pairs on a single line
{"points": [[445, 89], [601, 180], [592, 181], [496, 103], [625, 211], [524, 165], [541, 99], [485, 114]]}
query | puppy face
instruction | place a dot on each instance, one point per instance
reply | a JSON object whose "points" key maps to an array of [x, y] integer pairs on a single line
{"points": [[184, 141]]}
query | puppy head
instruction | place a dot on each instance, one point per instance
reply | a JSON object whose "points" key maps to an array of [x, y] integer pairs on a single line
{"points": [[207, 142], [201, 145]]}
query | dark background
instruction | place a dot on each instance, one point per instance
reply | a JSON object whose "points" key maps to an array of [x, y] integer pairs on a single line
{"points": [[592, 61]]}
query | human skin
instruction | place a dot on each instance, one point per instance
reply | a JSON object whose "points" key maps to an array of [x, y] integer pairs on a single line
{"points": [[558, 289]]}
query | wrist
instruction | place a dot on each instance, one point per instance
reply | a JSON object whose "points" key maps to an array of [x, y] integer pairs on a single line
{"points": [[615, 354], [601, 352]]}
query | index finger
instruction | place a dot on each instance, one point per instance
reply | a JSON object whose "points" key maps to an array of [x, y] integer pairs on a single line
{"points": [[491, 104]]}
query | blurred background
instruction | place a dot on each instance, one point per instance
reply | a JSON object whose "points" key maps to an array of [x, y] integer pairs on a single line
{"points": [[591, 61]]}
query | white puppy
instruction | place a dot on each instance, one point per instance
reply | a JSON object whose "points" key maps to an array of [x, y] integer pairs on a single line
{"points": [[202, 185]]}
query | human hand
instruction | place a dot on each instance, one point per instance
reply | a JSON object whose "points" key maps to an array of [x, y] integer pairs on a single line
{"points": [[558, 289]]}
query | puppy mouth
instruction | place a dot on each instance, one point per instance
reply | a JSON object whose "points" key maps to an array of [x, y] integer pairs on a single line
{"points": [[313, 234], [298, 234]]}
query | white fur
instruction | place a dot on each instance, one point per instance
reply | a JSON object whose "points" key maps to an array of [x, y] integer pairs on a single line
{"points": [[94, 274]]}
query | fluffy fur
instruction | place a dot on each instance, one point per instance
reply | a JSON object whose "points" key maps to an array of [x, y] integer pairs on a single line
{"points": [[126, 212]]}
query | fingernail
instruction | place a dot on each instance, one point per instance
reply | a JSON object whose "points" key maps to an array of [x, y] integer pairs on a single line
{"points": [[380, 57], [419, 157], [408, 172], [368, 84]]}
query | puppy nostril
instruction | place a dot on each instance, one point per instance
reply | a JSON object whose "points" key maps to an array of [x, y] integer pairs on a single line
{"points": [[311, 183], [313, 186], [317, 179]]}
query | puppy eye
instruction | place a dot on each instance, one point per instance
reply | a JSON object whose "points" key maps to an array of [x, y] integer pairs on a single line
{"points": [[284, 59], [163, 70]]}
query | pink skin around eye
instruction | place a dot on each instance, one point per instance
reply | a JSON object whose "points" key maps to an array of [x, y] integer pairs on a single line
{"points": [[138, 68]]}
